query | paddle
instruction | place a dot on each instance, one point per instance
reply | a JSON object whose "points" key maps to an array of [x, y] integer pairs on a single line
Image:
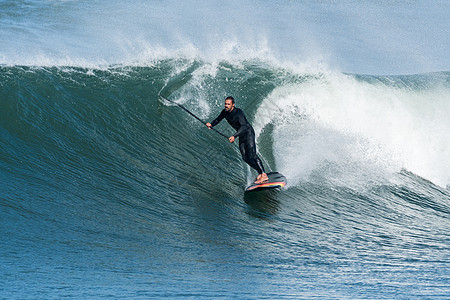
{"points": [[193, 115]]}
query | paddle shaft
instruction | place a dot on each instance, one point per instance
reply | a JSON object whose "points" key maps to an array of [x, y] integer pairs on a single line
{"points": [[189, 112]]}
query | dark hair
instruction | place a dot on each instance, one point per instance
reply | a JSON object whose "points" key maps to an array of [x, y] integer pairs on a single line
{"points": [[230, 98]]}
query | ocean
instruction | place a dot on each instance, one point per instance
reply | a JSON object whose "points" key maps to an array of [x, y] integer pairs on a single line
{"points": [[108, 191]]}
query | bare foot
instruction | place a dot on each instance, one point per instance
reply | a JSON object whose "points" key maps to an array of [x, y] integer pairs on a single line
{"points": [[261, 178]]}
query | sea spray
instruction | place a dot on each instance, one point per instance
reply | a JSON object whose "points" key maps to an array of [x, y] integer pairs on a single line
{"points": [[361, 122]]}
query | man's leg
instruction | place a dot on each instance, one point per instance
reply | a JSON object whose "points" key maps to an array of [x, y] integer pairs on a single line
{"points": [[257, 162], [248, 151], [243, 147]]}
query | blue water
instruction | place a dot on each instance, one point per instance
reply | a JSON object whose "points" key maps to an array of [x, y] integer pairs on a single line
{"points": [[106, 191]]}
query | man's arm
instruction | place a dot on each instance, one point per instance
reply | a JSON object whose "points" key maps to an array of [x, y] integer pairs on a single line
{"points": [[216, 120]]}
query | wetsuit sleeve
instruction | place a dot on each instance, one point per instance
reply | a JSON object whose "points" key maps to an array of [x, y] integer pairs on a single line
{"points": [[218, 119], [244, 125]]}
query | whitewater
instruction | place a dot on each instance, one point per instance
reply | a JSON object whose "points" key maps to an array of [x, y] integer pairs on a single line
{"points": [[106, 190]]}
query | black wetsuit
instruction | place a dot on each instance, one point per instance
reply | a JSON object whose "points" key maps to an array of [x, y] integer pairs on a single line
{"points": [[246, 134]]}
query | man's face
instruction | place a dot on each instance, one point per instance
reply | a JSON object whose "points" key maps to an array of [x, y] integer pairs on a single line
{"points": [[229, 105]]}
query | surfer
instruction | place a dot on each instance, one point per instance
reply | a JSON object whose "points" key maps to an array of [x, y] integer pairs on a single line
{"points": [[236, 118]]}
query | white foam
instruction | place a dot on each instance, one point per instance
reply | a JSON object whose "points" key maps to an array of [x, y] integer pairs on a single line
{"points": [[358, 128]]}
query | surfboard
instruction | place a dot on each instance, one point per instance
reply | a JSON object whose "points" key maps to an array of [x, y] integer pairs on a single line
{"points": [[276, 180]]}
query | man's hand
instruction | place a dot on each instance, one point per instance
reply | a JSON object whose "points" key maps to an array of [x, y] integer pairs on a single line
{"points": [[231, 139], [209, 125]]}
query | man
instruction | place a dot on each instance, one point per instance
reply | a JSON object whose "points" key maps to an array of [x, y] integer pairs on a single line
{"points": [[236, 118]]}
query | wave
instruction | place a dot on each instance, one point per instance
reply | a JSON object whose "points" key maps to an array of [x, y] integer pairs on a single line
{"points": [[96, 172], [348, 128]]}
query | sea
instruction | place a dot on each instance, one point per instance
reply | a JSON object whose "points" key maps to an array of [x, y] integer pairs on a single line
{"points": [[109, 191]]}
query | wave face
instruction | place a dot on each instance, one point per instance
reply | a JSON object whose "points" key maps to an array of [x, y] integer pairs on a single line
{"points": [[107, 191]]}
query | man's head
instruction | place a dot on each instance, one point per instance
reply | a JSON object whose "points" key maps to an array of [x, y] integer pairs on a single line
{"points": [[229, 103]]}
